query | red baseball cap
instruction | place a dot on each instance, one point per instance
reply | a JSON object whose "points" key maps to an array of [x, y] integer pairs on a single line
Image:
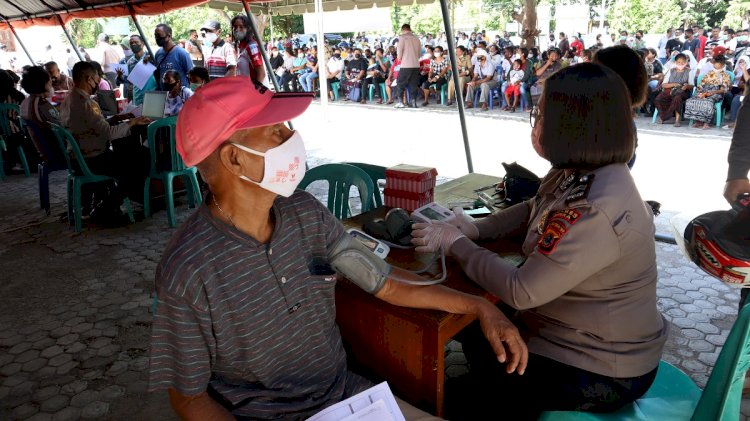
{"points": [[719, 50], [227, 105]]}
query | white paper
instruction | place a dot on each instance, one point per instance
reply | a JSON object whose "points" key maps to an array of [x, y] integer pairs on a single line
{"points": [[360, 407], [118, 66], [141, 74], [377, 411]]}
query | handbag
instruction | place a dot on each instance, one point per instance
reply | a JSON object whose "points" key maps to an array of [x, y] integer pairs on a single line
{"points": [[355, 94]]}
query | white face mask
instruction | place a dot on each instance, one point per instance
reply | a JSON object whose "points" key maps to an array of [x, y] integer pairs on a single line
{"points": [[284, 166], [210, 38]]}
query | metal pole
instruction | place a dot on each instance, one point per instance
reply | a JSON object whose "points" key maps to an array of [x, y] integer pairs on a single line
{"points": [[12, 29], [254, 28], [322, 59], [70, 39], [456, 81], [140, 31]]}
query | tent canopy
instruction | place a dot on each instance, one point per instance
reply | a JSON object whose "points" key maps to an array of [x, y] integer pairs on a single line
{"points": [[27, 13], [298, 7]]}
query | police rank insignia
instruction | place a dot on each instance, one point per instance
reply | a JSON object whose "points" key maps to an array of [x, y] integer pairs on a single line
{"points": [[580, 190]]}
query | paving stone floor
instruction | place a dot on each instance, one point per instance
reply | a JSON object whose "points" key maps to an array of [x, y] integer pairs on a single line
{"points": [[75, 318]]}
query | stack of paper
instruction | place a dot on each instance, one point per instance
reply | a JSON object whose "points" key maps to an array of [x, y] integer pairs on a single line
{"points": [[374, 404]]}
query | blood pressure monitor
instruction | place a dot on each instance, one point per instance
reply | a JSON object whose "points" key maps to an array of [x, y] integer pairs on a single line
{"points": [[377, 247], [432, 212]]}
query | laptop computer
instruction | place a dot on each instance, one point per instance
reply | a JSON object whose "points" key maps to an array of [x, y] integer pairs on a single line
{"points": [[107, 102], [153, 104]]}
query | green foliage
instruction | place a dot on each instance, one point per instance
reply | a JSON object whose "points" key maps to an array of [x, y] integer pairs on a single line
{"points": [[738, 13], [285, 26], [85, 31], [182, 21]]}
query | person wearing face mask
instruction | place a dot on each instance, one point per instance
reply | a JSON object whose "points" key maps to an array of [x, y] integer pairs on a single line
{"points": [[245, 324], [170, 56], [335, 70], [356, 71], [37, 110], [586, 294], [110, 147], [198, 76], [249, 59], [220, 57], [713, 85], [677, 87], [60, 81], [132, 92], [465, 70], [177, 94]]}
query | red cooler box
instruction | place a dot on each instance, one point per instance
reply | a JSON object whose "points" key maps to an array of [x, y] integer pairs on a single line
{"points": [[410, 178], [407, 200]]}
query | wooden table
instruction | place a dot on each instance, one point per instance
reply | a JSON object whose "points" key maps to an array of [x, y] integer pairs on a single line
{"points": [[406, 346]]}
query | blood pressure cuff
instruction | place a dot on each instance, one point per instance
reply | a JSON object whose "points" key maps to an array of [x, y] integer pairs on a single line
{"points": [[360, 265]]}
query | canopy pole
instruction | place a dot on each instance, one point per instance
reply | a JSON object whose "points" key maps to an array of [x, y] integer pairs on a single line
{"points": [[70, 39], [456, 81], [140, 31], [322, 62], [266, 61], [13, 30]]}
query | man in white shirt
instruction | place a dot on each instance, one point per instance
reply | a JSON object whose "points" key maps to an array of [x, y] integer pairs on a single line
{"points": [[335, 67], [484, 80], [730, 43], [661, 48]]}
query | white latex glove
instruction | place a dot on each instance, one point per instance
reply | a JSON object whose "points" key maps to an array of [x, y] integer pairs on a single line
{"points": [[465, 223], [430, 238]]}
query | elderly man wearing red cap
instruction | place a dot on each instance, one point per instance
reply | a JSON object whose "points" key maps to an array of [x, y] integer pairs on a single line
{"points": [[245, 324]]}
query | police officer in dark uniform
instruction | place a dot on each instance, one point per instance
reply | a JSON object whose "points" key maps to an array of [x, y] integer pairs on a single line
{"points": [[586, 294], [739, 156]]}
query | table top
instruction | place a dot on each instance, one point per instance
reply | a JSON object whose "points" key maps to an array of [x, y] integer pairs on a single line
{"points": [[461, 188]]}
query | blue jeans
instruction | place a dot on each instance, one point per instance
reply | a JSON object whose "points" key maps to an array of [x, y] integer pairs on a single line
{"points": [[306, 81], [735, 108]]}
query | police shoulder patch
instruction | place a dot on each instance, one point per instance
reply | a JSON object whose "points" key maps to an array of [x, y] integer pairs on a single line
{"points": [[552, 235]]}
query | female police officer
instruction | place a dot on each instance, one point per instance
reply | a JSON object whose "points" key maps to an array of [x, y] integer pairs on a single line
{"points": [[586, 295]]}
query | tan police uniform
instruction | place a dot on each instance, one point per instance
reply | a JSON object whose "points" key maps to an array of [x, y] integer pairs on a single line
{"points": [[587, 290], [83, 118]]}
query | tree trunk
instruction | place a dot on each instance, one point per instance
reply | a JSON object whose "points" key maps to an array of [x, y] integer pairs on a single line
{"points": [[528, 21]]}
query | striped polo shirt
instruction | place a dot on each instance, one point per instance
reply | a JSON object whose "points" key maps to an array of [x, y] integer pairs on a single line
{"points": [[253, 322], [218, 58]]}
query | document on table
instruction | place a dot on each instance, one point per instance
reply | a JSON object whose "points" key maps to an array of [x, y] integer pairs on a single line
{"points": [[141, 74], [374, 404]]}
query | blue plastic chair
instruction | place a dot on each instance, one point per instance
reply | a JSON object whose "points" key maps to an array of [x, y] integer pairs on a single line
{"points": [[341, 178], [371, 91], [47, 165], [177, 168], [8, 113], [674, 396], [376, 172], [76, 181]]}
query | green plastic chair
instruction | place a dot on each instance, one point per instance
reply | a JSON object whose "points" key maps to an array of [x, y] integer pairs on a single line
{"points": [[674, 396], [371, 92], [443, 93], [376, 172], [76, 182], [6, 111], [341, 178], [336, 89], [177, 169]]}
